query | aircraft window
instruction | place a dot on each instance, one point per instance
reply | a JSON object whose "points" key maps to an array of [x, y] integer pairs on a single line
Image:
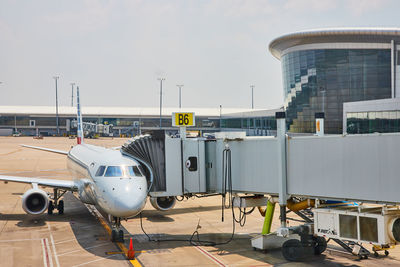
{"points": [[113, 171], [134, 171], [100, 171]]}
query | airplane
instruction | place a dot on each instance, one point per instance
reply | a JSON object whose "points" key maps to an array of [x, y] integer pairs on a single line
{"points": [[115, 184]]}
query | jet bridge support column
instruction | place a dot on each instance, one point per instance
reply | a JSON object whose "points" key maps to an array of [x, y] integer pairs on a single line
{"points": [[281, 136]]}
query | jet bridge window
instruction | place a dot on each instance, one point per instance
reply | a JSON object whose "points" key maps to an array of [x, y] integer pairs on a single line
{"points": [[134, 171], [114, 171], [100, 171]]}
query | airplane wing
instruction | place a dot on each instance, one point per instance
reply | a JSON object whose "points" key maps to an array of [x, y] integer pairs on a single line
{"points": [[62, 184], [47, 149]]}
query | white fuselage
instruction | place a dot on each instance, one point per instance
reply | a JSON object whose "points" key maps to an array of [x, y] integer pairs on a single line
{"points": [[120, 191]]}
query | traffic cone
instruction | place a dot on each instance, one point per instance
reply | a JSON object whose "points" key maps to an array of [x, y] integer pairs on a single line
{"points": [[131, 251]]}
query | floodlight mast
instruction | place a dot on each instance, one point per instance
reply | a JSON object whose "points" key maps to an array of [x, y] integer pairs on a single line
{"points": [[252, 96], [180, 94], [72, 94], [161, 81], [58, 128]]}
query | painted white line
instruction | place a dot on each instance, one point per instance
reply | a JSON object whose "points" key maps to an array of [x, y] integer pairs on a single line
{"points": [[211, 257], [73, 251], [53, 246], [19, 240], [45, 256], [54, 250], [50, 257], [64, 241], [85, 263]]}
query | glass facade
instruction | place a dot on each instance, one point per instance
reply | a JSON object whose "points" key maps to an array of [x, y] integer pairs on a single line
{"points": [[259, 124], [373, 122], [47, 125], [322, 80]]}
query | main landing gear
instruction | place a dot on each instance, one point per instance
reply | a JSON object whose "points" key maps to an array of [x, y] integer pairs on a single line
{"points": [[56, 203], [117, 235]]}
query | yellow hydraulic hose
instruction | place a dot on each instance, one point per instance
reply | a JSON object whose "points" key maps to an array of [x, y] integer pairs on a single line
{"points": [[296, 206]]}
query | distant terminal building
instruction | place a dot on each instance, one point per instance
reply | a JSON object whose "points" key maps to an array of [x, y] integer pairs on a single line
{"points": [[324, 69], [33, 120], [255, 122]]}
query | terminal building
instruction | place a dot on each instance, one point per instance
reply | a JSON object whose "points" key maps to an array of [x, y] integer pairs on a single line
{"points": [[350, 74], [35, 120]]}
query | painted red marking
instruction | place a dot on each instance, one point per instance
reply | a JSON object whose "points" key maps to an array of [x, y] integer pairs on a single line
{"points": [[45, 250], [211, 256]]}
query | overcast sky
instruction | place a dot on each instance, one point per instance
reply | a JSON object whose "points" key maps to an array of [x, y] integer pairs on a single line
{"points": [[116, 50]]}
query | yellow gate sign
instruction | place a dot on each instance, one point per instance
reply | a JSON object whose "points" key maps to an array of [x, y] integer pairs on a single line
{"points": [[183, 119]]}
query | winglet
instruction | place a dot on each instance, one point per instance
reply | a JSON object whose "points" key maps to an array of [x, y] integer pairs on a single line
{"points": [[79, 118]]}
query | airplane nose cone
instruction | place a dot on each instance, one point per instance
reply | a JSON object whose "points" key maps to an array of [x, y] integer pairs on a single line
{"points": [[128, 198]]}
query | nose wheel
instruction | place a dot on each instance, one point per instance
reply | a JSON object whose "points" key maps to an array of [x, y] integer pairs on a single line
{"points": [[56, 203], [117, 235]]}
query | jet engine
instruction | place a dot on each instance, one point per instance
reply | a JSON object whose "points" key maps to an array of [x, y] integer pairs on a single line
{"points": [[35, 201], [163, 203]]}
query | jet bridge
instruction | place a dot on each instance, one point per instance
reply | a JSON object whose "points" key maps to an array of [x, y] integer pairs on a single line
{"points": [[362, 168], [351, 167]]}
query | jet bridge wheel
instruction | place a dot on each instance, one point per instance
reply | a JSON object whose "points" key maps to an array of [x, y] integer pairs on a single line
{"points": [[320, 245], [294, 250]]}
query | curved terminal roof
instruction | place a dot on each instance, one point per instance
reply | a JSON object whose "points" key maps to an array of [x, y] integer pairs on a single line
{"points": [[334, 35]]}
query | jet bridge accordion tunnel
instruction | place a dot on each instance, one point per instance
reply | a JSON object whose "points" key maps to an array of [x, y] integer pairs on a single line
{"points": [[361, 168]]}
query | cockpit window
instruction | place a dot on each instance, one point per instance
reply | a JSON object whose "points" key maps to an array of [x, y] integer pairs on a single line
{"points": [[134, 171], [100, 171], [113, 171]]}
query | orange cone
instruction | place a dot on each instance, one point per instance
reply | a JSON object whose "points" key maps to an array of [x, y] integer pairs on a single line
{"points": [[131, 251]]}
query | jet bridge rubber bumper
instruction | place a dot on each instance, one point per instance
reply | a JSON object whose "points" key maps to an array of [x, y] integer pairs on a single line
{"points": [[150, 149]]}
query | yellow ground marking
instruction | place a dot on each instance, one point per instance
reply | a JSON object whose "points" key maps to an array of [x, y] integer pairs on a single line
{"points": [[121, 245], [114, 252]]}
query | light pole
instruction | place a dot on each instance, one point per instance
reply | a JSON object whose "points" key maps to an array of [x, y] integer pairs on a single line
{"points": [[180, 94], [252, 96], [72, 95], [323, 100], [220, 117], [161, 80], [58, 129]]}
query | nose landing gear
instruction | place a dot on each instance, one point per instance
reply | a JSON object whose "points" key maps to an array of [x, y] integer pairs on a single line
{"points": [[117, 235]]}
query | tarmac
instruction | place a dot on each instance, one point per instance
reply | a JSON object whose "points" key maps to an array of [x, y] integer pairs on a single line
{"points": [[80, 236]]}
